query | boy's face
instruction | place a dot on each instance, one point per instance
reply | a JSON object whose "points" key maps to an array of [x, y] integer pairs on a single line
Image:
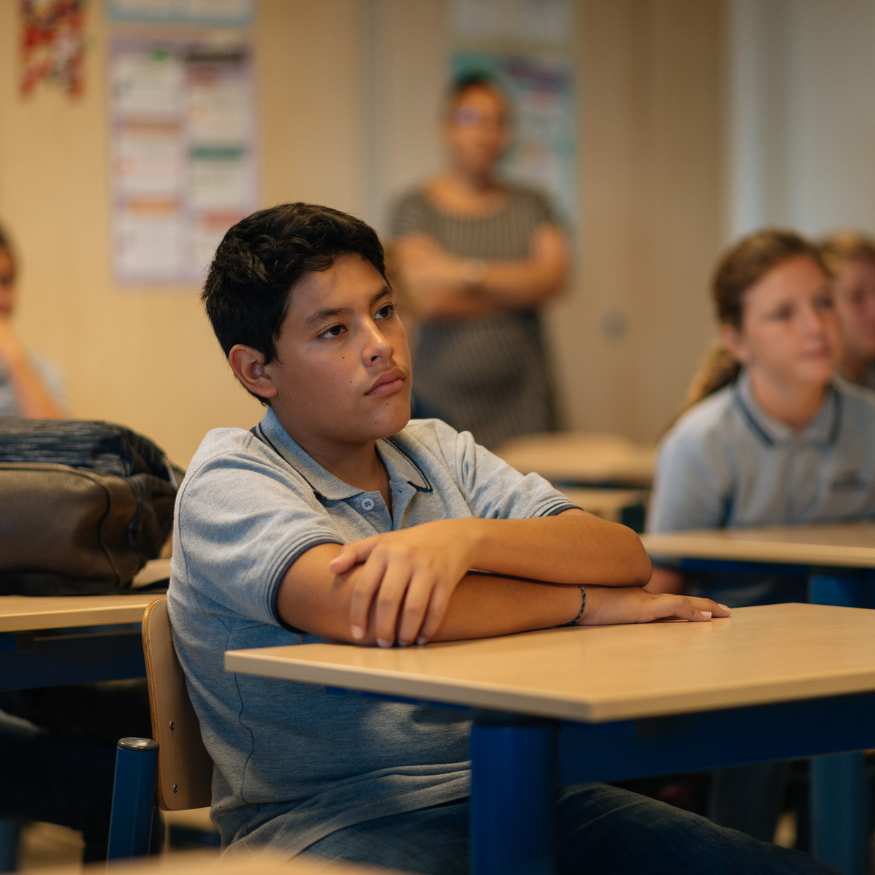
{"points": [[342, 372]]}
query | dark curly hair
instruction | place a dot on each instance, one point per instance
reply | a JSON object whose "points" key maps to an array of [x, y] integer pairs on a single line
{"points": [[247, 291]]}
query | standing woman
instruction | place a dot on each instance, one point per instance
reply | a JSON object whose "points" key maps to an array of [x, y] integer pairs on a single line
{"points": [[479, 258], [30, 386], [851, 259]]}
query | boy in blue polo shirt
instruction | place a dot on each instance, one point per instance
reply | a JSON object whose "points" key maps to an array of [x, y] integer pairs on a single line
{"points": [[336, 518]]}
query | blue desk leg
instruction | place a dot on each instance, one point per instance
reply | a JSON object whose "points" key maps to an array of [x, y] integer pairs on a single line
{"points": [[513, 796], [838, 782], [133, 798]]}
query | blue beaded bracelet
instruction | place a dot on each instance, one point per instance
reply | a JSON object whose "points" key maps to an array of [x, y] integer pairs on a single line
{"points": [[582, 607]]}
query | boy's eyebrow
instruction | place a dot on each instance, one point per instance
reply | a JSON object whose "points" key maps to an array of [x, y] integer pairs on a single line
{"points": [[330, 312]]}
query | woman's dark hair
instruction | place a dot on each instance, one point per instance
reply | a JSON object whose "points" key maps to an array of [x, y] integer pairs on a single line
{"points": [[470, 80], [247, 291], [741, 267]]}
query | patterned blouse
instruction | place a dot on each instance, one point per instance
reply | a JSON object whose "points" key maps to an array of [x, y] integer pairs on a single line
{"points": [[490, 375]]}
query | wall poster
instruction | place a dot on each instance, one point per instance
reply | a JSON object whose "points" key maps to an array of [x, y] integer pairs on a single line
{"points": [[52, 44], [183, 154], [215, 13]]}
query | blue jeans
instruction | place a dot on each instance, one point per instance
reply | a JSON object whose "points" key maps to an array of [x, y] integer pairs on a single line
{"points": [[600, 829]]}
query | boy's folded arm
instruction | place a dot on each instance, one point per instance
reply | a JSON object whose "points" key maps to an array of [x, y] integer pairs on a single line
{"points": [[314, 599], [572, 547], [317, 601]]}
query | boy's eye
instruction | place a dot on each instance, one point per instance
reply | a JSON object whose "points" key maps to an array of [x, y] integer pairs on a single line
{"points": [[824, 302], [385, 311], [333, 331]]}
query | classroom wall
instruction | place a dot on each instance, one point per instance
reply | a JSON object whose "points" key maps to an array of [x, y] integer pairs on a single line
{"points": [[802, 115], [651, 169], [349, 90], [146, 356]]}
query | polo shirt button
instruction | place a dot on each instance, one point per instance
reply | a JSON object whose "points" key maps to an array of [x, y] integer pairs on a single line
{"points": [[367, 504]]}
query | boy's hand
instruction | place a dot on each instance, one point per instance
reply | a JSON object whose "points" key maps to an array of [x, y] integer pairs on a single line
{"points": [[606, 606], [411, 573]]}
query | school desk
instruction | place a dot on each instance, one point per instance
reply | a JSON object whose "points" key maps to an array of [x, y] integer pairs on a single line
{"points": [[626, 506], [582, 459], [839, 561], [618, 702], [56, 640]]}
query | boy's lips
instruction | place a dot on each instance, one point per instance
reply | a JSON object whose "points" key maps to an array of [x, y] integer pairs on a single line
{"points": [[388, 383]]}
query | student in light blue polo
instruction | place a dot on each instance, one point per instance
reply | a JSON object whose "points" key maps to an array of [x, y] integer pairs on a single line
{"points": [[336, 518], [771, 437]]}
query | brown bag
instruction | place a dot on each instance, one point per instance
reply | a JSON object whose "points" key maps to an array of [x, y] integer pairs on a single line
{"points": [[82, 529]]}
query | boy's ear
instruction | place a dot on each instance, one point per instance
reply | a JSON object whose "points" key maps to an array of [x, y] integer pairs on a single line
{"points": [[732, 340], [248, 366]]}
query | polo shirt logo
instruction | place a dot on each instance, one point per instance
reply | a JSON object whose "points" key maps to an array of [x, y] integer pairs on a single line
{"points": [[847, 481]]}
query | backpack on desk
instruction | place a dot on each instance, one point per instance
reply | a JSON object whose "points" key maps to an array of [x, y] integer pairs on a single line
{"points": [[83, 506]]}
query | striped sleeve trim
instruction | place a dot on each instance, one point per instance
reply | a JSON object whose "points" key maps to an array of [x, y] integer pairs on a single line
{"points": [[285, 561], [554, 508]]}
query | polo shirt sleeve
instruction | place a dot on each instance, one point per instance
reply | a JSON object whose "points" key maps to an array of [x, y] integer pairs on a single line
{"points": [[690, 484], [241, 524], [491, 487]]}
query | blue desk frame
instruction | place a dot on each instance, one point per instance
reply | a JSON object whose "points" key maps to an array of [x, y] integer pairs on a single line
{"points": [[58, 657], [838, 790], [519, 763]]}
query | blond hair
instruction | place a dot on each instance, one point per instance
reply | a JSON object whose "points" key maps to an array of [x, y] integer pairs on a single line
{"points": [[845, 246]]}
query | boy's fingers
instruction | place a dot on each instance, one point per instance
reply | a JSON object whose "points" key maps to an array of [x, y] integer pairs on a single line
{"points": [[437, 607], [687, 609], [351, 554], [390, 597], [416, 602], [366, 585], [716, 609]]}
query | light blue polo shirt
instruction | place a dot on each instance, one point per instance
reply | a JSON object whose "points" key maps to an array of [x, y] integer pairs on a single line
{"points": [[293, 762], [727, 463]]}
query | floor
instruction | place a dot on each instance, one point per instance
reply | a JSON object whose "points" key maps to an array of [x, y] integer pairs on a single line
{"points": [[45, 845]]}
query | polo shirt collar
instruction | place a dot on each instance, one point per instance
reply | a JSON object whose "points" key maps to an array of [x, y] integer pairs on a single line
{"points": [[822, 430], [400, 465]]}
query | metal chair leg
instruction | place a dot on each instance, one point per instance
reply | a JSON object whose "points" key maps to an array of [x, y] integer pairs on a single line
{"points": [[133, 798]]}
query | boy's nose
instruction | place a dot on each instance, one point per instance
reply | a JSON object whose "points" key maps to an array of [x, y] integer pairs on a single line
{"points": [[377, 345]]}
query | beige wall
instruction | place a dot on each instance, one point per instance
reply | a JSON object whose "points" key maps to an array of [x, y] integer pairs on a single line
{"points": [[650, 133], [146, 356], [348, 93]]}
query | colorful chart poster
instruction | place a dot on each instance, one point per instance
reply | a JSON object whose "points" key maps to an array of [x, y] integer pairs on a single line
{"points": [[183, 154], [216, 13], [542, 93]]}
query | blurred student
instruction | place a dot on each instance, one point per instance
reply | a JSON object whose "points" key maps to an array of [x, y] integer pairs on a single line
{"points": [[30, 386], [769, 438], [480, 257], [850, 258], [57, 744]]}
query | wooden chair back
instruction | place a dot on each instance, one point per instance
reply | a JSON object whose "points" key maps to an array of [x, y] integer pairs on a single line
{"points": [[185, 770]]}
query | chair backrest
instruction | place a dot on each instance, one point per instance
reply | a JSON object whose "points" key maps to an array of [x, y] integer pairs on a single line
{"points": [[185, 770]]}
